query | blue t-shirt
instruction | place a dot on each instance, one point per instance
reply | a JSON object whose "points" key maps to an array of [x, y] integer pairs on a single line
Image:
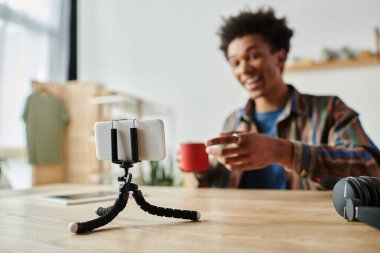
{"points": [[272, 176]]}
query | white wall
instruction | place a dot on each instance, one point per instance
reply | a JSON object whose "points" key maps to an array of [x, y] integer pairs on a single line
{"points": [[167, 51]]}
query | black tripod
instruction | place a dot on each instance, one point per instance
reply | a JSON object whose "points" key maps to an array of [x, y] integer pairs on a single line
{"points": [[109, 213]]}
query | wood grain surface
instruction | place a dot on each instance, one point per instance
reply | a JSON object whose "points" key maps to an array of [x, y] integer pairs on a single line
{"points": [[232, 221]]}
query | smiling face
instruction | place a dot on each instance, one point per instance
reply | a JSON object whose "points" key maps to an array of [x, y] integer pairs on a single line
{"points": [[256, 66]]}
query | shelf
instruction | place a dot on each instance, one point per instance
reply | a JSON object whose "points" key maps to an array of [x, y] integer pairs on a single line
{"points": [[114, 99], [333, 64]]}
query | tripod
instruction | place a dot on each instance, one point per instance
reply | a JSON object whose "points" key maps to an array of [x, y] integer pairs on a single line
{"points": [[106, 215]]}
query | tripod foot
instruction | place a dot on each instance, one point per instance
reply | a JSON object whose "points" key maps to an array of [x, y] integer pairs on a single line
{"points": [[198, 216], [73, 227]]}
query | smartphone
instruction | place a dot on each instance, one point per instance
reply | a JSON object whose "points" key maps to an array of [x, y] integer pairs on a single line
{"points": [[150, 136]]}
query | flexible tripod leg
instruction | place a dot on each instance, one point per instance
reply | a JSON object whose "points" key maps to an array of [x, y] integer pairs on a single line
{"points": [[106, 217], [165, 212], [101, 211], [109, 213]]}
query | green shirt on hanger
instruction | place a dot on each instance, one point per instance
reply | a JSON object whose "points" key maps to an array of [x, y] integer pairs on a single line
{"points": [[45, 117]]}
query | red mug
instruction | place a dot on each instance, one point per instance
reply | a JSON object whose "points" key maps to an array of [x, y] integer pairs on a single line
{"points": [[193, 157]]}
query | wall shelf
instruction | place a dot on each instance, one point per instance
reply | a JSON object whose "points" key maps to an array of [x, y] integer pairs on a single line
{"points": [[333, 64]]}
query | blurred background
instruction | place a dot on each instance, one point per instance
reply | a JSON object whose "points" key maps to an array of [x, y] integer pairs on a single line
{"points": [[108, 59]]}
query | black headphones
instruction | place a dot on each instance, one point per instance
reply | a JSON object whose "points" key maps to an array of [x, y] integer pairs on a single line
{"points": [[358, 198]]}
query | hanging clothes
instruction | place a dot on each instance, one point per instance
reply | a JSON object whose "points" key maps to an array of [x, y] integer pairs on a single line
{"points": [[45, 117]]}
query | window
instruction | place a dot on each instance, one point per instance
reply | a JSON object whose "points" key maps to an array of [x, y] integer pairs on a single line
{"points": [[33, 46]]}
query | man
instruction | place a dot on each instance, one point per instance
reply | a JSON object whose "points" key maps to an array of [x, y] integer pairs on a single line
{"points": [[281, 139]]}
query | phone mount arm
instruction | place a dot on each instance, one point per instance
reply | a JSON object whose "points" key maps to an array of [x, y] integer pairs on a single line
{"points": [[109, 213]]}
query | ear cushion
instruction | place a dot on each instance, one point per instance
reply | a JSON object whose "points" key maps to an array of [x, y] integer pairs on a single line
{"points": [[356, 186], [376, 187], [373, 191], [365, 188]]}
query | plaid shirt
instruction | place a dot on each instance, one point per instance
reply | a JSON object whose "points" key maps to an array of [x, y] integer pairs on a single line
{"points": [[328, 142]]}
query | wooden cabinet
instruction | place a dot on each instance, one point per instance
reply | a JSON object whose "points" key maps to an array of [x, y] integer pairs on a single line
{"points": [[80, 160]]}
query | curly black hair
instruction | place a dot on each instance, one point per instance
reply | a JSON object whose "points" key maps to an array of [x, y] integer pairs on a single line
{"points": [[273, 30]]}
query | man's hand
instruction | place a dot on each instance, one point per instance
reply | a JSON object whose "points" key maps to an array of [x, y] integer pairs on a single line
{"points": [[248, 151]]}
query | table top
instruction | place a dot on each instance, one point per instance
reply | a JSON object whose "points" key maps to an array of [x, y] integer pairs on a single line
{"points": [[232, 221]]}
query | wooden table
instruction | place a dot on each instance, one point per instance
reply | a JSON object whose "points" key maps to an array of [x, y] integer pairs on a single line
{"points": [[232, 221]]}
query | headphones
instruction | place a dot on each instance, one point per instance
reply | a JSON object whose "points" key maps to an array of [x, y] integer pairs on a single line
{"points": [[358, 199]]}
